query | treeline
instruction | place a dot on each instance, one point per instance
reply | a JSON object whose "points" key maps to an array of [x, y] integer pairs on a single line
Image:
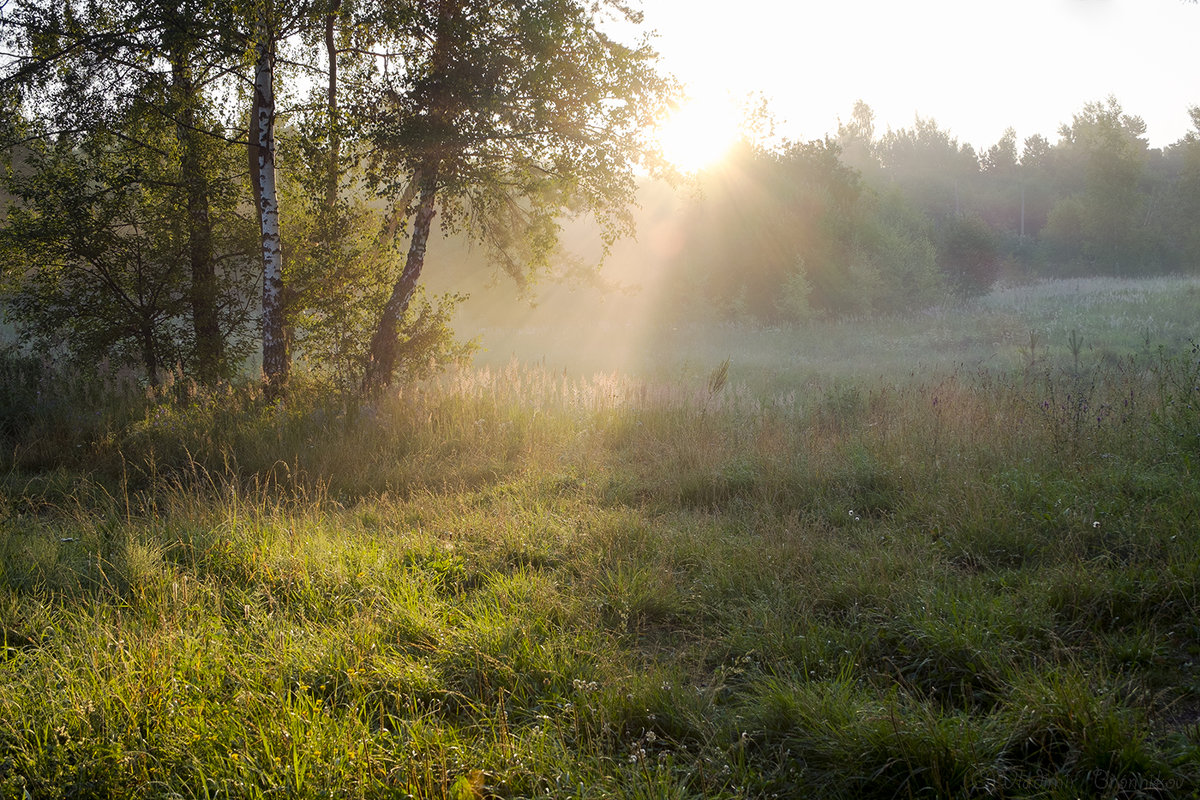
{"points": [[184, 181], [186, 184], [874, 222]]}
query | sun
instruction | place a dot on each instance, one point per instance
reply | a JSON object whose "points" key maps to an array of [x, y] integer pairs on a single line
{"points": [[700, 132]]}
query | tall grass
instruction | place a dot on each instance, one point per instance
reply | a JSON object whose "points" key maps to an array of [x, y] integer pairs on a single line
{"points": [[511, 582]]}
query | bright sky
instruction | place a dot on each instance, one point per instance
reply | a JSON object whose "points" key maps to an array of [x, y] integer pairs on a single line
{"points": [[975, 67]]}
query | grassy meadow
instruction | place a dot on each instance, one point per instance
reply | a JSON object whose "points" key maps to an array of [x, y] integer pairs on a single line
{"points": [[949, 555]]}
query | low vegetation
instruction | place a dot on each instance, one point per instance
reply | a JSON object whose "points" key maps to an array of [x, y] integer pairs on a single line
{"points": [[978, 580]]}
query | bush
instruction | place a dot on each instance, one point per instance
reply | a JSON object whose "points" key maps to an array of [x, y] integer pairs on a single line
{"points": [[967, 255]]}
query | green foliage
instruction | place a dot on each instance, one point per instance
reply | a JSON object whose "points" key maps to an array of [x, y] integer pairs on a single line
{"points": [[515, 113], [340, 273], [1099, 222], [94, 268], [1178, 203], [968, 255], [1103, 164], [930, 167], [1098, 201], [770, 237], [128, 93], [96, 252], [795, 304], [894, 239], [793, 235], [526, 111]]}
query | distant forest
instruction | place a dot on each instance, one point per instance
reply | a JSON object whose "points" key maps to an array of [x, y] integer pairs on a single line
{"points": [[864, 221]]}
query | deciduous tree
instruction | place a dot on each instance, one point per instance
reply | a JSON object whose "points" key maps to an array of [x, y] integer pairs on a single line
{"points": [[1100, 160], [95, 264], [93, 69], [507, 114]]}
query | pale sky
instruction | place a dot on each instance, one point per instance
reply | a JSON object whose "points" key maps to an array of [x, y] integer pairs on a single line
{"points": [[975, 67]]}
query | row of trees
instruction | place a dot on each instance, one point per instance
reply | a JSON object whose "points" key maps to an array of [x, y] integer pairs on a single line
{"points": [[184, 175], [187, 180], [864, 221], [1098, 200]]}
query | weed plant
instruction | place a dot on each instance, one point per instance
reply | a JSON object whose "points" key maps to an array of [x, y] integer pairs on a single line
{"points": [[507, 582]]}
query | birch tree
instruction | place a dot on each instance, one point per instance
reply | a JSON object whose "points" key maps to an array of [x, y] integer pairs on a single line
{"points": [[507, 114], [261, 150]]}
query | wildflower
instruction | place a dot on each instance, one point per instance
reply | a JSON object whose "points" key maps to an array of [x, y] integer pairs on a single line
{"points": [[1096, 524]]}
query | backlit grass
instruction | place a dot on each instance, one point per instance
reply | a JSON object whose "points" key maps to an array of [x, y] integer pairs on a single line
{"points": [[968, 582]]}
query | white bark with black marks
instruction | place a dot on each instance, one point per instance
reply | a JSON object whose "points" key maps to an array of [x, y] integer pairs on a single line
{"points": [[382, 364], [262, 173]]}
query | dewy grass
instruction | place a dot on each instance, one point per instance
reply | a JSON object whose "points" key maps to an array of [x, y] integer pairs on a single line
{"points": [[507, 582]]}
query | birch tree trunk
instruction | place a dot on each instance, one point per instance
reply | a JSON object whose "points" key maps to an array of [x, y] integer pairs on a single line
{"points": [[381, 365], [276, 360]]}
